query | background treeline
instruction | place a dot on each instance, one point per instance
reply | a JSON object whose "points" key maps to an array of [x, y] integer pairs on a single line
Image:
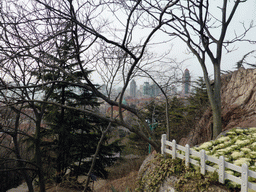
{"points": [[184, 114]]}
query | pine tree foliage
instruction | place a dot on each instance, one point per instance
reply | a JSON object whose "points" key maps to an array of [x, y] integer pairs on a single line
{"points": [[71, 137]]}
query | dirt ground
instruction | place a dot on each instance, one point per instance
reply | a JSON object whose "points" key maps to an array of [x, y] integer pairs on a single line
{"points": [[98, 186], [105, 185]]}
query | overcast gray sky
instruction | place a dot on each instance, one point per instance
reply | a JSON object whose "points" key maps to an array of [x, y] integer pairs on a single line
{"points": [[246, 13]]}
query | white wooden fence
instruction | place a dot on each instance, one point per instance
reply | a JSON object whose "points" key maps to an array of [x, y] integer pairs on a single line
{"points": [[245, 172]]}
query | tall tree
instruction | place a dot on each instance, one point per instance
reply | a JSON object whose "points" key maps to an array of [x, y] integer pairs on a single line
{"points": [[203, 27], [14, 131], [29, 31], [90, 32], [75, 133]]}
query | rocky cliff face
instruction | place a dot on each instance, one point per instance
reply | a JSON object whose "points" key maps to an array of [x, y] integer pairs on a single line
{"points": [[238, 95]]}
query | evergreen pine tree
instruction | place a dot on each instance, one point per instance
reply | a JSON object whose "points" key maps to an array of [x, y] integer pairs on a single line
{"points": [[72, 135]]}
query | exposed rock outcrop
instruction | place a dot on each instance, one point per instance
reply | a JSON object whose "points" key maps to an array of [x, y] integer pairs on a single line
{"points": [[238, 96]]}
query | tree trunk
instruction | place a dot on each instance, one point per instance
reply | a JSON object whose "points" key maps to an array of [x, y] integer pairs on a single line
{"points": [[216, 108], [214, 97], [167, 118], [95, 156], [21, 165], [217, 124], [18, 155], [38, 156]]}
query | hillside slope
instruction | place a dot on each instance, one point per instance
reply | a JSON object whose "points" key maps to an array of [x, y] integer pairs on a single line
{"points": [[238, 96]]}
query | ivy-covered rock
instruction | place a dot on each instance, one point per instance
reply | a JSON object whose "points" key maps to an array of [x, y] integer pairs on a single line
{"points": [[161, 173]]}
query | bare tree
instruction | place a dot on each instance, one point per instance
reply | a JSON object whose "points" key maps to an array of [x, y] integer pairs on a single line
{"points": [[203, 26], [18, 66], [29, 34], [92, 28], [243, 61], [29, 38], [18, 128], [167, 75]]}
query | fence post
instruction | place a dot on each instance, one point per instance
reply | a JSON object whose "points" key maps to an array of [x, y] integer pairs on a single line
{"points": [[244, 176], [173, 149], [187, 153], [202, 156], [163, 140], [221, 169]]}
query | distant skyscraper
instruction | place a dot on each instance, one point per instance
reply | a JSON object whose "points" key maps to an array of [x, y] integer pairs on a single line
{"points": [[155, 90], [146, 88], [133, 88], [186, 82], [150, 90]]}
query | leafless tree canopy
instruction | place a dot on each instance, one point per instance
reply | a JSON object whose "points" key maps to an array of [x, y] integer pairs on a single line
{"points": [[111, 37], [104, 35]]}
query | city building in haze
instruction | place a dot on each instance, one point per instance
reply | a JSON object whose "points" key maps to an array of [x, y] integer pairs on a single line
{"points": [[146, 88], [150, 90], [186, 83], [133, 88]]}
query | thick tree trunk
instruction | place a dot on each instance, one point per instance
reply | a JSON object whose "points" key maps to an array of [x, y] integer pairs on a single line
{"points": [[216, 106], [21, 165], [168, 130], [214, 96], [217, 124]]}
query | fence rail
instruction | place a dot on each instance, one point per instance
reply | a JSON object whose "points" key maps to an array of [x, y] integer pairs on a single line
{"points": [[245, 172]]}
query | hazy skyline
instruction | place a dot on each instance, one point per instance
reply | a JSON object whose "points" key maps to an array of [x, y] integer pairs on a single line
{"points": [[246, 13]]}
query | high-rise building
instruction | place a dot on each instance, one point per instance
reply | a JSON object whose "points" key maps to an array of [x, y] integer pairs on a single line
{"points": [[155, 90], [150, 90], [186, 83], [146, 88], [133, 88]]}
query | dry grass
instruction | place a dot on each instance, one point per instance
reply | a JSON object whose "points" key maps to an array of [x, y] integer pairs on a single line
{"points": [[122, 175], [123, 167], [121, 184]]}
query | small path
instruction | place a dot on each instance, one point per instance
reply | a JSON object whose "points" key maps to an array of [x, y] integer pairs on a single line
{"points": [[24, 188], [21, 188]]}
